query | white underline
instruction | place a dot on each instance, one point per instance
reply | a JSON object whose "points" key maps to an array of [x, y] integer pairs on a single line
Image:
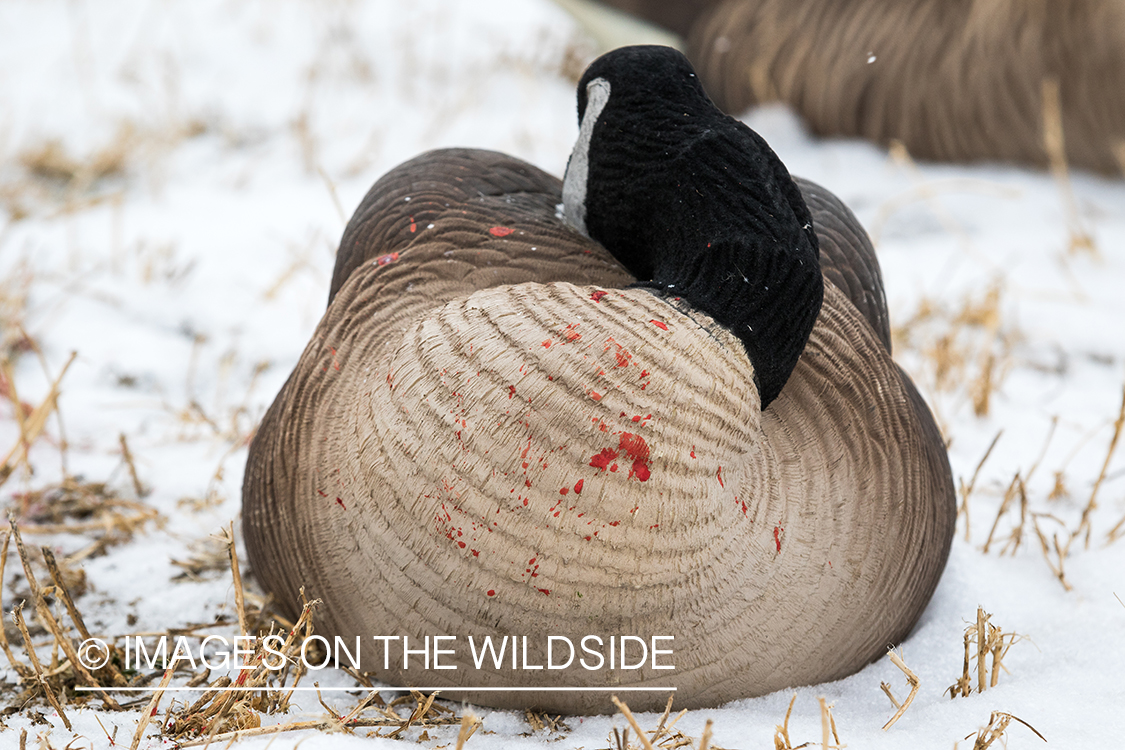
{"points": [[231, 688]]}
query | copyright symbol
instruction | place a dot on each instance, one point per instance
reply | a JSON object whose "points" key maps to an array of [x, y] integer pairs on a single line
{"points": [[93, 653]]}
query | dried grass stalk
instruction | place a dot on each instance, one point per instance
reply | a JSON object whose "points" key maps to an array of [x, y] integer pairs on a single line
{"points": [[991, 642], [967, 491], [1055, 144], [911, 679], [33, 426], [150, 709], [1091, 505], [17, 618], [997, 725]]}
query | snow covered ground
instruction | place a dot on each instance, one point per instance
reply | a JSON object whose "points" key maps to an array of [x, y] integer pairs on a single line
{"points": [[206, 154]]}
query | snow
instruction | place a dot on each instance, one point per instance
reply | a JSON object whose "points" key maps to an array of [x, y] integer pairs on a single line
{"points": [[211, 253]]}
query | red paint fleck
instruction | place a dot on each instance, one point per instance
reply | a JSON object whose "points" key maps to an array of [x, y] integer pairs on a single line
{"points": [[546, 344], [571, 334], [578, 490], [490, 592], [413, 226], [511, 392], [597, 296], [637, 449], [383, 260], [658, 324], [595, 395], [564, 491], [655, 526], [777, 536], [545, 592], [341, 503], [589, 538], [601, 460], [500, 231], [637, 418], [719, 474], [693, 451]]}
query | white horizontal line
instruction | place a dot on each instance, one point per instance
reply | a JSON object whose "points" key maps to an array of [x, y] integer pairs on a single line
{"points": [[231, 688]]}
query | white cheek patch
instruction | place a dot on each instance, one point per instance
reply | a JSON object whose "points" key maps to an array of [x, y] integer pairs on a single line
{"points": [[578, 167]]}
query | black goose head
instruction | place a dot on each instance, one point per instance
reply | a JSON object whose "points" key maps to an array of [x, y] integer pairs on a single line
{"points": [[697, 203]]}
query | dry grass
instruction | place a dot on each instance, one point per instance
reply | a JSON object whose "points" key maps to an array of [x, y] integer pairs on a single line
{"points": [[665, 736], [1054, 143], [55, 180], [966, 348], [1092, 503], [781, 740], [911, 679], [966, 491], [31, 425], [997, 726], [992, 644]]}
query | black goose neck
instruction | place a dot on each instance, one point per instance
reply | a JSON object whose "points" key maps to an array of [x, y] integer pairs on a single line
{"points": [[697, 203]]}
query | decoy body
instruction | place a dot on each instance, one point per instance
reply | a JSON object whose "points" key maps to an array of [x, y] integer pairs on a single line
{"points": [[673, 413], [953, 80]]}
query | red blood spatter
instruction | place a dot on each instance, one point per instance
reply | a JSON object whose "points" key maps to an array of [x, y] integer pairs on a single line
{"points": [[322, 493], [490, 592], [476, 553], [719, 474], [578, 489], [613, 468], [637, 418], [658, 324], [564, 491], [597, 296], [637, 449], [777, 536], [545, 592], [693, 451], [341, 503], [601, 460], [462, 545], [500, 231], [511, 392], [383, 260]]}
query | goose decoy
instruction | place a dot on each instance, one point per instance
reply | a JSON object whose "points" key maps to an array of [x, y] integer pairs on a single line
{"points": [[504, 428], [953, 80]]}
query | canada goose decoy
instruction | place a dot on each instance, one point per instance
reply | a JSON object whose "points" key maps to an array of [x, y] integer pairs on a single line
{"points": [[953, 80], [499, 431]]}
